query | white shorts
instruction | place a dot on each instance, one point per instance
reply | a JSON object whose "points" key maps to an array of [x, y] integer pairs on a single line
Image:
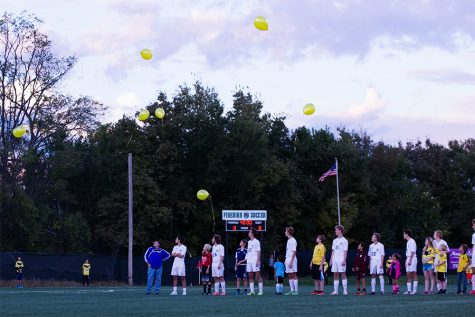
{"points": [[376, 268], [178, 270], [413, 266], [251, 266], [337, 267], [294, 266], [215, 272]]}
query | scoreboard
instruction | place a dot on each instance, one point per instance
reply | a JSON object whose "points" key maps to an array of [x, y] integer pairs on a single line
{"points": [[245, 225]]}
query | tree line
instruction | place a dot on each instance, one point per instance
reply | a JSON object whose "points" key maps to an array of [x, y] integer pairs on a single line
{"points": [[64, 186]]}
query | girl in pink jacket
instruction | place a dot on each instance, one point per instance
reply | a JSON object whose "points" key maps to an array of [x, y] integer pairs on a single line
{"points": [[395, 271]]}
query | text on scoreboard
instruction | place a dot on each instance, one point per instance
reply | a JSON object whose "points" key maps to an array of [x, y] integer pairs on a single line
{"points": [[245, 225], [244, 214]]}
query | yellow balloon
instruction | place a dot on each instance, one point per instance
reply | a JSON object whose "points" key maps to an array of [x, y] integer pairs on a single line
{"points": [[202, 194], [261, 24], [144, 114], [309, 109], [146, 54], [159, 113], [19, 131]]}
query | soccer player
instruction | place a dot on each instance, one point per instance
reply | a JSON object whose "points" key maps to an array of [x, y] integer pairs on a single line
{"points": [[316, 265], [462, 266], [240, 267], [472, 292], [217, 268], [359, 268], [253, 265], [441, 269], [178, 268], [279, 275], [438, 241], [376, 262], [19, 272], [86, 268], [291, 261], [411, 263], [205, 266], [338, 260], [154, 257]]}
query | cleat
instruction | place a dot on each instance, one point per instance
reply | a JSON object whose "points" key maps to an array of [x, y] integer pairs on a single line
{"points": [[295, 293], [288, 293], [314, 293], [148, 293], [345, 293], [223, 294], [413, 293], [407, 293], [216, 294], [382, 293], [334, 293], [260, 293], [173, 293], [251, 293], [372, 293]]}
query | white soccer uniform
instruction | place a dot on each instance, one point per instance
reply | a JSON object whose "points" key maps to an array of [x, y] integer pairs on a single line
{"points": [[178, 267], [473, 250], [339, 246], [217, 252], [376, 254], [291, 247], [253, 248], [436, 245], [411, 247]]}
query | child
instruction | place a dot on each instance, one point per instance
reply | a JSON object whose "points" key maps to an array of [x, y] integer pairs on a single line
{"points": [[461, 274], [359, 268], [86, 268], [279, 275], [388, 266], [395, 272], [428, 256], [440, 268], [338, 260], [240, 267], [316, 265], [19, 272], [204, 265], [376, 260]]}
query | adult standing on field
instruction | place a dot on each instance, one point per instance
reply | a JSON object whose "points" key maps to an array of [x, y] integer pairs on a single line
{"points": [[411, 263], [291, 261], [154, 257], [439, 241], [253, 258]]}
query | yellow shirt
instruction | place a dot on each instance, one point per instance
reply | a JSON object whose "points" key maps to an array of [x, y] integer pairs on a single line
{"points": [[19, 266], [442, 268], [325, 267], [463, 262], [318, 254], [85, 269], [430, 256]]}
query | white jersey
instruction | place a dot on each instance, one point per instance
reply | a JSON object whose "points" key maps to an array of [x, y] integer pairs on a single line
{"points": [[437, 244], [339, 246], [376, 251], [291, 247], [217, 252], [411, 247], [181, 249], [253, 247]]}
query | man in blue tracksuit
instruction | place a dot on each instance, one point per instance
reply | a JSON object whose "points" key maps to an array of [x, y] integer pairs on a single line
{"points": [[154, 256]]}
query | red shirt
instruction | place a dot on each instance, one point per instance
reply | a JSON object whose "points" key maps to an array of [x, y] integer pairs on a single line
{"points": [[205, 260]]}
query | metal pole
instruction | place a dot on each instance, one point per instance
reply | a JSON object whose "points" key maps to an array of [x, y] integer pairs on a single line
{"points": [[131, 224], [337, 192]]}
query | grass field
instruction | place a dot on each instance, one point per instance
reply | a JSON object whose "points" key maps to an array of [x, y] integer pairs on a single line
{"points": [[133, 301]]}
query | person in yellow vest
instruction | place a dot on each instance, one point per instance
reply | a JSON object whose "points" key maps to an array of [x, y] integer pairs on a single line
{"points": [[86, 269], [19, 272]]}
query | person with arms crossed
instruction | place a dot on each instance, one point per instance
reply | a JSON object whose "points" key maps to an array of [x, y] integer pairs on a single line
{"points": [[253, 258], [376, 262], [154, 257], [217, 267], [411, 263], [178, 268], [338, 260], [291, 261]]}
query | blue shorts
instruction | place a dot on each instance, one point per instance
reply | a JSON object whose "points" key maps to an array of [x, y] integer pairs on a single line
{"points": [[241, 271], [427, 267], [19, 276]]}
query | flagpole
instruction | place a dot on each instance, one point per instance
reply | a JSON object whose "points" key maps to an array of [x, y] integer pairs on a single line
{"points": [[337, 192]]}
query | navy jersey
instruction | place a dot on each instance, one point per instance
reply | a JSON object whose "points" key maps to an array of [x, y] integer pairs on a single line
{"points": [[241, 255]]}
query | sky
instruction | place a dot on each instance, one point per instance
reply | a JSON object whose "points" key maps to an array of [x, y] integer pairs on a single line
{"points": [[401, 70]]}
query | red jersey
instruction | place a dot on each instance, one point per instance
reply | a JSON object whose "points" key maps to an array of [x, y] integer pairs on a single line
{"points": [[205, 260], [361, 260]]}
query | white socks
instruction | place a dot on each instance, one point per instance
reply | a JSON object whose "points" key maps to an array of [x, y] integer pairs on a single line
{"points": [[184, 291], [296, 285], [414, 287], [373, 285], [223, 286], [216, 287], [251, 286], [277, 287], [345, 285], [336, 284], [174, 289], [409, 287], [261, 286], [473, 282], [291, 283], [381, 282]]}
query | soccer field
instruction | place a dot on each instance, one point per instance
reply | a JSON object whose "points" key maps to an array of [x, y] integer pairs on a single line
{"points": [[133, 301]]}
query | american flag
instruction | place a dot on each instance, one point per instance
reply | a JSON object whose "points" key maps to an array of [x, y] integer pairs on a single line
{"points": [[330, 172]]}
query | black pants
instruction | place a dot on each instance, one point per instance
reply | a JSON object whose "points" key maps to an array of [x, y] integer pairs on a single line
{"points": [[85, 280]]}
